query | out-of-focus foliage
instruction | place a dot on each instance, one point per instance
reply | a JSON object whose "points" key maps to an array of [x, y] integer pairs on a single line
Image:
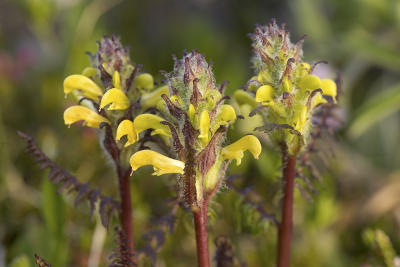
{"points": [[43, 41]]}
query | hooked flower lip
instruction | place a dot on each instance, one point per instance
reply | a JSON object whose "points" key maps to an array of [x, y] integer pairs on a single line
{"points": [[236, 150], [161, 164], [117, 99], [226, 114], [84, 84], [80, 113], [265, 93], [150, 121], [126, 128]]}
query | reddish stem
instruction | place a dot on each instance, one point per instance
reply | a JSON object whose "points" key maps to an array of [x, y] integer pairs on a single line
{"points": [[126, 217], [201, 228], [286, 226]]}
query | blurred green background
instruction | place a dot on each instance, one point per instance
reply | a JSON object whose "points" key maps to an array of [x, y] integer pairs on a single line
{"points": [[347, 221]]}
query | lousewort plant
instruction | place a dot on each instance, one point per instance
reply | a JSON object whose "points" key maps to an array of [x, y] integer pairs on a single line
{"points": [[188, 118], [194, 123], [289, 94]]}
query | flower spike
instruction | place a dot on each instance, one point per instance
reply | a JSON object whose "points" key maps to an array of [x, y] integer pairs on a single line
{"points": [[126, 128], [80, 113], [161, 164], [235, 150], [117, 99], [84, 84]]}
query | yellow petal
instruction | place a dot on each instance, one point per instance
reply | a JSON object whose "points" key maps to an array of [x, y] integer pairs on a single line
{"points": [[144, 81], [317, 100], [303, 69], [265, 94], [80, 113], [213, 96], [191, 112], [301, 118], [227, 113], [82, 83], [176, 100], [235, 150], [204, 127], [116, 80], [117, 99], [89, 72], [310, 82], [161, 163], [151, 99], [287, 84], [329, 88], [243, 97], [126, 128], [150, 121]]}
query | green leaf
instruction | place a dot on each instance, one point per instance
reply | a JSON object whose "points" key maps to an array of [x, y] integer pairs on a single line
{"points": [[21, 261], [374, 110], [374, 49]]}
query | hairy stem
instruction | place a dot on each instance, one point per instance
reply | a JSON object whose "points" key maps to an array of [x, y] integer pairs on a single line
{"points": [[286, 225], [126, 218], [201, 228]]}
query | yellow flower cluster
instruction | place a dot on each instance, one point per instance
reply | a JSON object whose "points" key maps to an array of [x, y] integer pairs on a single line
{"points": [[192, 118], [285, 86]]}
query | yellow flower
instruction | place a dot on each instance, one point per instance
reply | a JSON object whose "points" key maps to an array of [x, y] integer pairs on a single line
{"points": [[265, 94], [235, 150], [84, 84], [204, 127], [317, 99], [242, 98], [150, 121], [310, 82], [144, 81], [287, 84], [176, 100], [80, 113], [329, 88], [117, 99], [301, 118], [191, 112], [161, 164], [116, 80], [89, 72], [151, 99], [226, 114], [126, 128]]}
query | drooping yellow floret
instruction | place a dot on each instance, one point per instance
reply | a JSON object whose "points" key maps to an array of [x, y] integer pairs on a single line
{"points": [[117, 99], [236, 150], [126, 128], [310, 82], [144, 81], [265, 94], [150, 121], [80, 113], [161, 164], [78, 82]]}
